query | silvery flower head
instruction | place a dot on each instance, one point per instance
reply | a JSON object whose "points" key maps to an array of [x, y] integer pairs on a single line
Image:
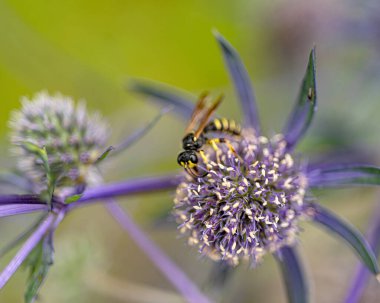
{"points": [[248, 203], [72, 139]]}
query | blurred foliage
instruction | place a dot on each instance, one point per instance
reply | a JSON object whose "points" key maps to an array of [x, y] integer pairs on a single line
{"points": [[89, 49]]}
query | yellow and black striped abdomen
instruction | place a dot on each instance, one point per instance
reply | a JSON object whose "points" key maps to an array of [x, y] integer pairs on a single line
{"points": [[223, 125]]}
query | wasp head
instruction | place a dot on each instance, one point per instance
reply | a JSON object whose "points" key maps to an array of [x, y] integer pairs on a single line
{"points": [[187, 159]]}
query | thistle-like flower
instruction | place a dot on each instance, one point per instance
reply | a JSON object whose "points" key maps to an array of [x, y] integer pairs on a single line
{"points": [[71, 139], [249, 197], [248, 203]]}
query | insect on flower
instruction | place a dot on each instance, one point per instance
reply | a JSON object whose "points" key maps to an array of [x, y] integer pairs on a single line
{"points": [[194, 140], [247, 193]]}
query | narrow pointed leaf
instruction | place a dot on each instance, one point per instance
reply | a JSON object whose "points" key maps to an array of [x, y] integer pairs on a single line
{"points": [[305, 107], [104, 154], [73, 198], [347, 232], [242, 82], [361, 276], [181, 105], [38, 262], [293, 275], [137, 135], [42, 154], [348, 175], [25, 250]]}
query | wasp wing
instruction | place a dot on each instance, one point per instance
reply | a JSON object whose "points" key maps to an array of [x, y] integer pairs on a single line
{"points": [[205, 118], [197, 112]]}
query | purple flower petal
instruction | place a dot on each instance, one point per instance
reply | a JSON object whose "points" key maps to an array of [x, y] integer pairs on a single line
{"points": [[18, 209], [347, 232], [136, 186], [346, 175], [306, 105], [20, 199], [293, 275], [177, 277], [242, 82], [25, 250], [361, 276], [181, 105]]}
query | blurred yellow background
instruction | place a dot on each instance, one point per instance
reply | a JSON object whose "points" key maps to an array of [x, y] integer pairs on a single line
{"points": [[91, 49]]}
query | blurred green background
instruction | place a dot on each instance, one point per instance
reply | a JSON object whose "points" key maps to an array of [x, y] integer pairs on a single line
{"points": [[91, 49]]}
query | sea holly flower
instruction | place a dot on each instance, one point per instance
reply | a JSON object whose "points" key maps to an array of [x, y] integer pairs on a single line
{"points": [[250, 199], [59, 147], [72, 140], [247, 204]]}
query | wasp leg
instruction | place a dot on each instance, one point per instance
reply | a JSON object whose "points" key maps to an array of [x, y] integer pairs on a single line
{"points": [[204, 157], [213, 142], [194, 172]]}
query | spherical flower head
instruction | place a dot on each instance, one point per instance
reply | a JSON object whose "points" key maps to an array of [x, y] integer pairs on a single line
{"points": [[73, 141], [249, 203]]}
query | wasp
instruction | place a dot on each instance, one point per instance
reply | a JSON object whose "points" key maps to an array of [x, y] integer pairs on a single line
{"points": [[197, 134]]}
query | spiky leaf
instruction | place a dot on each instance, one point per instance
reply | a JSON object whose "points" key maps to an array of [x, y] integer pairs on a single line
{"points": [[241, 80], [293, 275], [104, 154], [43, 156], [73, 198], [38, 262], [305, 107], [346, 232], [347, 175], [138, 134], [181, 104]]}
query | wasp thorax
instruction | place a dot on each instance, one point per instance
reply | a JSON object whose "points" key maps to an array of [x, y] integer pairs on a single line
{"points": [[190, 142], [73, 140], [247, 204]]}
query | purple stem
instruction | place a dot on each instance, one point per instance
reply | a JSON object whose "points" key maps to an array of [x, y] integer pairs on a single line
{"points": [[362, 274], [20, 199], [136, 186], [176, 276], [25, 250], [18, 209], [101, 192]]}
